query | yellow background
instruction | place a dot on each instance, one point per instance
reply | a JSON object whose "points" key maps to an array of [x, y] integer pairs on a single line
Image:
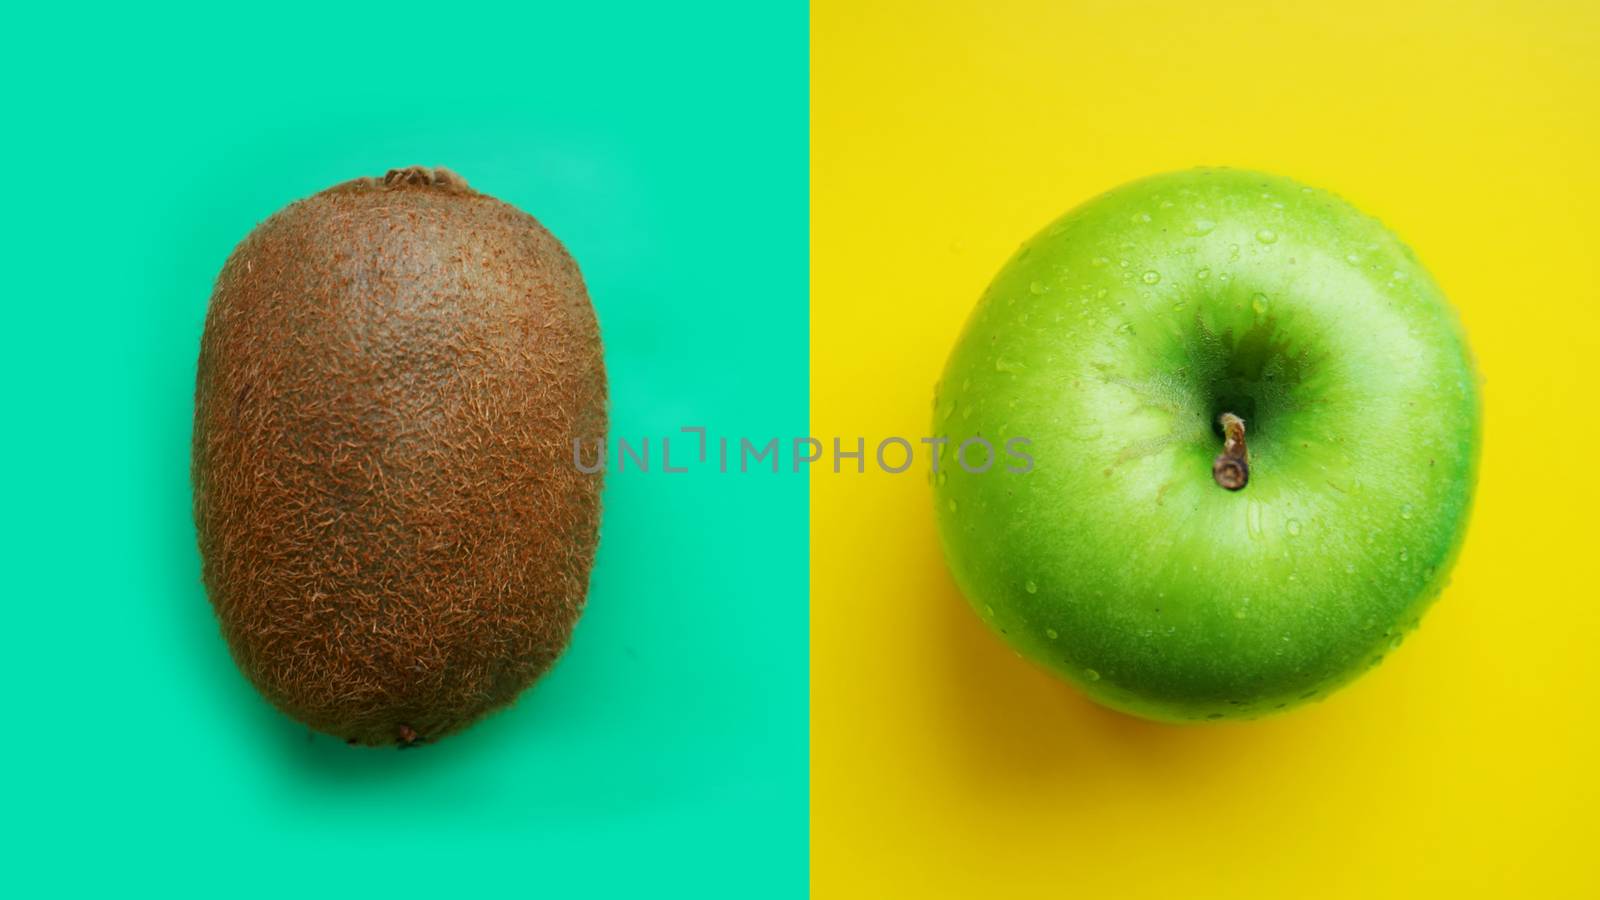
{"points": [[1465, 766]]}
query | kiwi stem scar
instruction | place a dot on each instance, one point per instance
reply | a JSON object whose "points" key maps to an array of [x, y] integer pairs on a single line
{"points": [[1231, 468]]}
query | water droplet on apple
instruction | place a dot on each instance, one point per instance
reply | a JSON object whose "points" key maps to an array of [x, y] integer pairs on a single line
{"points": [[1031, 587], [1001, 364], [1199, 227], [1405, 555], [1203, 273], [1405, 511], [1253, 513], [1051, 633], [946, 407], [1259, 304], [1179, 304], [1267, 236], [952, 504], [1122, 263], [1099, 261], [1151, 277], [1294, 527], [1091, 674], [1141, 217], [1036, 288], [988, 611], [943, 477], [1398, 275], [1352, 259]]}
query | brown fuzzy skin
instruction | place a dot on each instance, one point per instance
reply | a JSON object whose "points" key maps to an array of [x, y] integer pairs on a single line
{"points": [[393, 533]]}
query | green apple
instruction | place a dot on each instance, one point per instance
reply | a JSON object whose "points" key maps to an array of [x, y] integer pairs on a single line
{"points": [[1254, 427]]}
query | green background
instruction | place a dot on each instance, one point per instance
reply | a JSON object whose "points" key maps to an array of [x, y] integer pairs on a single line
{"points": [[666, 146]]}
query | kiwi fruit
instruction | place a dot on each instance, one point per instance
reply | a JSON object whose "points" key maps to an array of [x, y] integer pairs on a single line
{"points": [[393, 532]]}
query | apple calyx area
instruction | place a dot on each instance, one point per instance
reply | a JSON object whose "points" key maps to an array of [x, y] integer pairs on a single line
{"points": [[1231, 468]]}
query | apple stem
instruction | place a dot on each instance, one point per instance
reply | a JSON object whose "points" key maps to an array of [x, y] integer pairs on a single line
{"points": [[1231, 469]]}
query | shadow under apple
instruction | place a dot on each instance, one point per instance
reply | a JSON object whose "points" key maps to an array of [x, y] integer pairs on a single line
{"points": [[1017, 728]]}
